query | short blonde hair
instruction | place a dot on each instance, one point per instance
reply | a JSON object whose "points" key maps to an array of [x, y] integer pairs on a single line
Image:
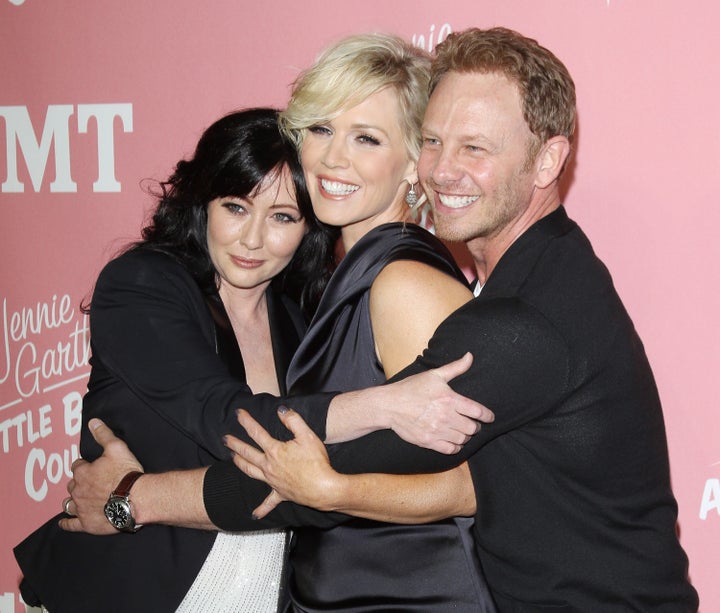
{"points": [[351, 70]]}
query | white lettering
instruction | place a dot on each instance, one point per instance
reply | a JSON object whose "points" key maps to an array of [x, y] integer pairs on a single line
{"points": [[24, 423], [104, 115], [72, 403], [20, 130], [419, 39], [7, 602], [36, 369], [52, 469], [710, 498], [56, 131]]}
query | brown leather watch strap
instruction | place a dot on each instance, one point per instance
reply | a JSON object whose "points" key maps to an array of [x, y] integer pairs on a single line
{"points": [[123, 488]]}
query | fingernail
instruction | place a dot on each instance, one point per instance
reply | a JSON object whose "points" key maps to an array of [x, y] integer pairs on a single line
{"points": [[237, 411], [282, 409], [255, 516], [224, 439]]}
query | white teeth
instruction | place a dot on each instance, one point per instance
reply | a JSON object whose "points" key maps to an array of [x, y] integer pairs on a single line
{"points": [[335, 188], [456, 202]]}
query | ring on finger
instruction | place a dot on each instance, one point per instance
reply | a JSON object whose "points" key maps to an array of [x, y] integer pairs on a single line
{"points": [[66, 506]]}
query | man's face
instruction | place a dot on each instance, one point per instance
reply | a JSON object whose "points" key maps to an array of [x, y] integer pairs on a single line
{"points": [[473, 163]]}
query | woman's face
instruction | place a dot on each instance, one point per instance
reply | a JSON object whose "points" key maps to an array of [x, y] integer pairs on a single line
{"points": [[357, 165], [251, 240]]}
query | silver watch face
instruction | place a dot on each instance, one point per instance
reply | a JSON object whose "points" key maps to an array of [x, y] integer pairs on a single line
{"points": [[117, 510]]}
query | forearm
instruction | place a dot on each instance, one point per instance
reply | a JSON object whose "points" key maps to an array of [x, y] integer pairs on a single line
{"points": [[172, 498], [355, 414], [403, 499]]}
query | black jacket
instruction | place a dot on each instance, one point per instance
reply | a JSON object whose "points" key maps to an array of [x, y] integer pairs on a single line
{"points": [[166, 376]]}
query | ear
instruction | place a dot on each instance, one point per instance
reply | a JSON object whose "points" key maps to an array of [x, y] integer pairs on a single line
{"points": [[551, 160], [411, 175]]}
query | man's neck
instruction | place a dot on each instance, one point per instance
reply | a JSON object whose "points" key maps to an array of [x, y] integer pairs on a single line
{"points": [[486, 251]]}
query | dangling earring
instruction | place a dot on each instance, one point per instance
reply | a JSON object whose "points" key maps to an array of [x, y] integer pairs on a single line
{"points": [[411, 197]]}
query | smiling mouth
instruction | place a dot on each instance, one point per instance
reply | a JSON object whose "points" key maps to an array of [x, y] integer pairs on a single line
{"points": [[337, 188], [455, 202]]}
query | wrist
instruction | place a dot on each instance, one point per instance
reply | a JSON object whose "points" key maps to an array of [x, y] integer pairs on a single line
{"points": [[140, 508], [119, 509], [335, 493]]}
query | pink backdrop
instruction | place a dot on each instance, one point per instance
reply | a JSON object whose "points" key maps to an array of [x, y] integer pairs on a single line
{"points": [[96, 96]]}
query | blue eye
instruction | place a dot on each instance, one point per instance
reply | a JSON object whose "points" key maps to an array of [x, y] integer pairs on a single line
{"points": [[319, 130], [370, 140], [234, 208], [285, 218]]}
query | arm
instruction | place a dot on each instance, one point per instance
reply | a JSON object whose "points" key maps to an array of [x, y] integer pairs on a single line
{"points": [[522, 371], [408, 301], [521, 368], [299, 470], [177, 498], [147, 326], [175, 494]]}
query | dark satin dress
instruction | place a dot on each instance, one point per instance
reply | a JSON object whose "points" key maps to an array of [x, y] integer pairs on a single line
{"points": [[364, 565]]}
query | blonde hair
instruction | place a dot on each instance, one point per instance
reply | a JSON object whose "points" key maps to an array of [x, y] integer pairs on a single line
{"points": [[350, 71]]}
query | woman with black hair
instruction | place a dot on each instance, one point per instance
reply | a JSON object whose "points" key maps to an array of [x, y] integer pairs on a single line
{"points": [[183, 324]]}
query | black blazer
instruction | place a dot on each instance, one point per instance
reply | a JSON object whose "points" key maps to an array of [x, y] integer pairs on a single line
{"points": [[166, 370]]}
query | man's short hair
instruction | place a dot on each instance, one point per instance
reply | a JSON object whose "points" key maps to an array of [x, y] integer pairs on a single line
{"points": [[546, 88]]}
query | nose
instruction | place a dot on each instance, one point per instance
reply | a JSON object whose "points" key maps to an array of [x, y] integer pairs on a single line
{"points": [[335, 154], [442, 167], [251, 233]]}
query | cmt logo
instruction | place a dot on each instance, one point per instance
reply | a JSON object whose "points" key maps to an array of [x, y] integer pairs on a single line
{"points": [[56, 130]]}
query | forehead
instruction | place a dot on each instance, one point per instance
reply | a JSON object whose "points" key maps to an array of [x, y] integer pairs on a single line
{"points": [[474, 101], [379, 109], [276, 187]]}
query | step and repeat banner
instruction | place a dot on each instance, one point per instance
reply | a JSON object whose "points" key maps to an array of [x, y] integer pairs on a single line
{"points": [[97, 99]]}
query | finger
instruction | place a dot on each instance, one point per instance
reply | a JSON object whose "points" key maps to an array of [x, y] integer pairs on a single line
{"points": [[241, 448], [294, 422], [71, 524], [70, 486], [267, 505], [101, 433], [445, 447], [248, 459], [476, 412], [454, 369], [76, 463], [255, 431], [68, 507]]}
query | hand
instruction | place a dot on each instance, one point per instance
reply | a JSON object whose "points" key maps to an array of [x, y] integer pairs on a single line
{"points": [[93, 482], [297, 470], [425, 411]]}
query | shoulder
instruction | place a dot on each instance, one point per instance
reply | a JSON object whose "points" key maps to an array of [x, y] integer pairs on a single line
{"points": [[145, 272], [407, 241], [509, 324], [415, 279], [144, 266]]}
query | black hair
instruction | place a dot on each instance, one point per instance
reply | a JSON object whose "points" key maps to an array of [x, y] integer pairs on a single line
{"points": [[232, 158]]}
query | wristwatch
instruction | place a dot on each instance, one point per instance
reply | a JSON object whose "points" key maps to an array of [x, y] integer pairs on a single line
{"points": [[117, 508]]}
